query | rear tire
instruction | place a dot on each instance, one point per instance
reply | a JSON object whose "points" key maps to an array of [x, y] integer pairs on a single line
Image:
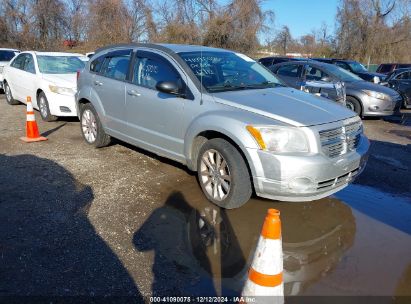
{"points": [[223, 174], [9, 96], [44, 108], [354, 105], [91, 127]]}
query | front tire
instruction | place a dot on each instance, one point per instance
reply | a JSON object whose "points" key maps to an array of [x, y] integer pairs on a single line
{"points": [[9, 96], [44, 108], [91, 128], [223, 174], [354, 105]]}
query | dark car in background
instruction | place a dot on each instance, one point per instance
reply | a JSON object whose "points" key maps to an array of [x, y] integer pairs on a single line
{"points": [[364, 98], [333, 90], [270, 61], [354, 67], [400, 80], [386, 68]]}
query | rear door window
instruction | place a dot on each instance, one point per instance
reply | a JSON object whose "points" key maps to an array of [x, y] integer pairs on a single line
{"points": [[116, 65], [28, 65], [289, 70], [18, 63]]}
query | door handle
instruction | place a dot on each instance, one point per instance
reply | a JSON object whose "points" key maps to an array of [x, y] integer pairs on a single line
{"points": [[133, 93], [98, 83]]}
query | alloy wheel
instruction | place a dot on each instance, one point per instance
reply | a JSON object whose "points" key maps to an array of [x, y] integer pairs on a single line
{"points": [[215, 175], [89, 126], [8, 93], [43, 107]]}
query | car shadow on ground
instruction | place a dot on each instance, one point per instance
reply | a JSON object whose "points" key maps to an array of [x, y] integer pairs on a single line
{"points": [[48, 247], [189, 245]]}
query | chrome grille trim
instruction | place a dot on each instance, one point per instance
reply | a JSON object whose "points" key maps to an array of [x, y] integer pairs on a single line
{"points": [[338, 181], [341, 140]]}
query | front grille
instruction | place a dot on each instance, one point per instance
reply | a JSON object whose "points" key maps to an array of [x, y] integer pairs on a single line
{"points": [[338, 181], [341, 140]]}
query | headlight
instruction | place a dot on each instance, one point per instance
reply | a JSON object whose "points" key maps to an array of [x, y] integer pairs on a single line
{"points": [[62, 90], [377, 95], [279, 139]]}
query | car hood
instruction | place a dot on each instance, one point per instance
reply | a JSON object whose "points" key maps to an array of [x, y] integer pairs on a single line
{"points": [[64, 80], [3, 63], [287, 105], [365, 85]]}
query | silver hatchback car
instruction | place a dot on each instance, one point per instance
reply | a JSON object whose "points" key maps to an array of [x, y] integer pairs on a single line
{"points": [[223, 115]]}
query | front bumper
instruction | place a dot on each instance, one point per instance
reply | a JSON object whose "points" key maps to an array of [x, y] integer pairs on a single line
{"points": [[377, 107], [308, 177], [61, 105]]}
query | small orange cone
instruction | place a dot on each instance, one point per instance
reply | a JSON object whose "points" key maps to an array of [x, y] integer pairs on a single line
{"points": [[32, 131], [265, 278]]}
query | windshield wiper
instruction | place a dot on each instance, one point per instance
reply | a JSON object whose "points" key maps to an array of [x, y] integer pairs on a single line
{"points": [[231, 87]]}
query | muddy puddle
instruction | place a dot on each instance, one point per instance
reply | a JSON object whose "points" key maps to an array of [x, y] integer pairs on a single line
{"points": [[357, 242]]}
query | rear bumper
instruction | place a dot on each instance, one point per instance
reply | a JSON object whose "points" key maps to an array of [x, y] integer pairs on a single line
{"points": [[307, 178]]}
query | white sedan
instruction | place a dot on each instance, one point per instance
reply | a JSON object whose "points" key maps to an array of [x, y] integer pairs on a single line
{"points": [[49, 78]]}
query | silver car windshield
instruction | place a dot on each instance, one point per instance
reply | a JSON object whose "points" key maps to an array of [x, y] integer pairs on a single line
{"points": [[357, 67], [59, 64], [228, 71]]}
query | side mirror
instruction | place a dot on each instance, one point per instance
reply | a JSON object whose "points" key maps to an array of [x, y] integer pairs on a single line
{"points": [[168, 87]]}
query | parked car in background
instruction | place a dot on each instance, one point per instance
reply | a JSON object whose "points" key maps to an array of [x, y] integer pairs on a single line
{"points": [[363, 97], [5, 56], [400, 80], [354, 67], [386, 68], [48, 77], [310, 83], [270, 61], [223, 115]]}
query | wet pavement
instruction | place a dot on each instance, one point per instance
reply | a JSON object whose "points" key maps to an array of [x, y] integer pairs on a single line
{"points": [[119, 221]]}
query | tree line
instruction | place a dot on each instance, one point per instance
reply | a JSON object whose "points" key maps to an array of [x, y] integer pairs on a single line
{"points": [[376, 30]]}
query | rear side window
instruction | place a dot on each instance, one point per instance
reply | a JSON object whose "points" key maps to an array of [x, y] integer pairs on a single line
{"points": [[150, 69], [96, 64], [18, 63], [403, 65], [290, 70]]}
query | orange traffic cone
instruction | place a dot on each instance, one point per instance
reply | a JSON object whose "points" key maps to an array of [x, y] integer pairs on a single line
{"points": [[32, 131], [265, 278]]}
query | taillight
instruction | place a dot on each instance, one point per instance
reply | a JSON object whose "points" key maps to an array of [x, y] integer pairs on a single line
{"points": [[78, 75]]}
